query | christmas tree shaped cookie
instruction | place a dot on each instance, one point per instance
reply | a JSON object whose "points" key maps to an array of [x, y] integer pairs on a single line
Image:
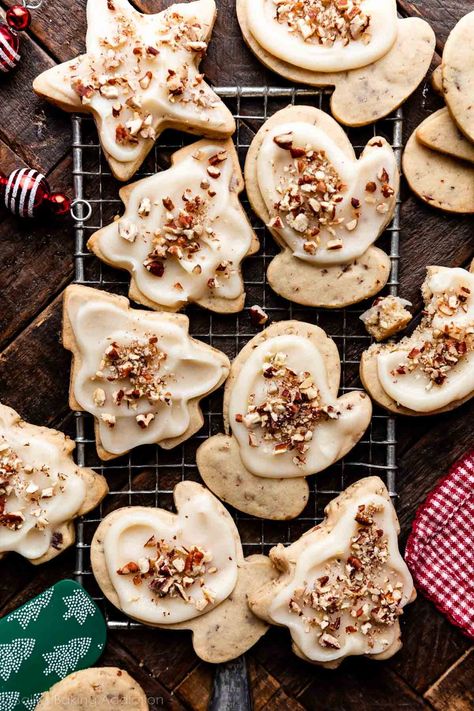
{"points": [[324, 207], [140, 75], [184, 233], [281, 404], [182, 571], [138, 373], [343, 585], [42, 490], [45, 640]]}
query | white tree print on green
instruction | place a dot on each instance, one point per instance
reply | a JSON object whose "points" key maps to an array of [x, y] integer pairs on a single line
{"points": [[32, 610], [31, 703], [8, 700], [12, 656], [79, 606], [65, 657]]}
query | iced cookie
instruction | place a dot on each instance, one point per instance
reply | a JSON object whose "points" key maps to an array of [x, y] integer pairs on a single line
{"points": [[387, 316], [42, 490], [432, 370], [137, 372], [324, 207], [439, 180], [100, 688], [140, 75], [458, 74], [184, 233], [343, 585], [441, 134], [281, 405], [182, 571], [374, 60]]}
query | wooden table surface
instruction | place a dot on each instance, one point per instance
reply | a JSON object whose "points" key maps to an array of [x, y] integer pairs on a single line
{"points": [[435, 668]]}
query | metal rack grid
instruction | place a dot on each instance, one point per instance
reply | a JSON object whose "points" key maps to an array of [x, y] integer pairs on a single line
{"points": [[148, 475]]}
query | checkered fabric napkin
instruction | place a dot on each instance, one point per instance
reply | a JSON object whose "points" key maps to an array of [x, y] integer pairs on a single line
{"points": [[440, 549]]}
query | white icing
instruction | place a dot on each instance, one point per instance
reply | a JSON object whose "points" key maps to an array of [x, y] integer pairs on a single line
{"points": [[411, 389], [355, 174], [197, 524], [310, 565], [230, 242], [149, 31], [290, 47], [33, 540], [193, 370], [329, 436]]}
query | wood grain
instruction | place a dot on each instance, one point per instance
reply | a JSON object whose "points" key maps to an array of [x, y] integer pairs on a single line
{"points": [[455, 690]]}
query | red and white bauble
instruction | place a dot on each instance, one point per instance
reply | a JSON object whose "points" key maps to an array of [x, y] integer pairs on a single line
{"points": [[25, 192], [18, 18]]}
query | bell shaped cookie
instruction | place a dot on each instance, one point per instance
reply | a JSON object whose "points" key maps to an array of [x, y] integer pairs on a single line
{"points": [[286, 419], [324, 207], [373, 59], [183, 570], [432, 370], [42, 490], [137, 372], [343, 585], [458, 75], [140, 75], [184, 233]]}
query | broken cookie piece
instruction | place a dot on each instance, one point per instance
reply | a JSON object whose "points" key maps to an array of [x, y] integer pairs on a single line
{"points": [[387, 316]]}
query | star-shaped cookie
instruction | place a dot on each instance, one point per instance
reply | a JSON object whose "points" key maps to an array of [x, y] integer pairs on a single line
{"points": [[343, 585], [139, 373], [184, 232], [41, 489], [281, 404], [140, 75]]}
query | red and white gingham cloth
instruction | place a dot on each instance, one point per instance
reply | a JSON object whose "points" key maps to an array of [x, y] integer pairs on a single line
{"points": [[440, 549]]}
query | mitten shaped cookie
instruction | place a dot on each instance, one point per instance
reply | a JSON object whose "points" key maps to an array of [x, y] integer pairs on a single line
{"points": [[373, 59], [184, 233], [138, 373], [183, 571], [140, 75], [343, 585], [42, 490], [286, 420], [432, 370], [324, 207]]}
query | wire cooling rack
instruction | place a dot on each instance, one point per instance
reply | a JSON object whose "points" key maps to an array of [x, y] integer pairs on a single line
{"points": [[148, 475]]}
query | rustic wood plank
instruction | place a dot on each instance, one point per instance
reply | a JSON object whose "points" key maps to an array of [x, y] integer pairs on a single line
{"points": [[37, 261], [358, 686], [117, 655], [195, 690], [59, 27], [34, 368], [32, 128], [455, 690], [441, 15]]}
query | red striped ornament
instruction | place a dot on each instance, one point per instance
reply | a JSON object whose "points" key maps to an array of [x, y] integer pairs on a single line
{"points": [[9, 48], [18, 18], [26, 191]]}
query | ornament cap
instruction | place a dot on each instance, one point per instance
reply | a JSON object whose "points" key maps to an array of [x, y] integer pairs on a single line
{"points": [[18, 18], [59, 204]]}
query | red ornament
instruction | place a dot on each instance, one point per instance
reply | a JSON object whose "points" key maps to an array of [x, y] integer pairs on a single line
{"points": [[26, 192], [18, 18]]}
